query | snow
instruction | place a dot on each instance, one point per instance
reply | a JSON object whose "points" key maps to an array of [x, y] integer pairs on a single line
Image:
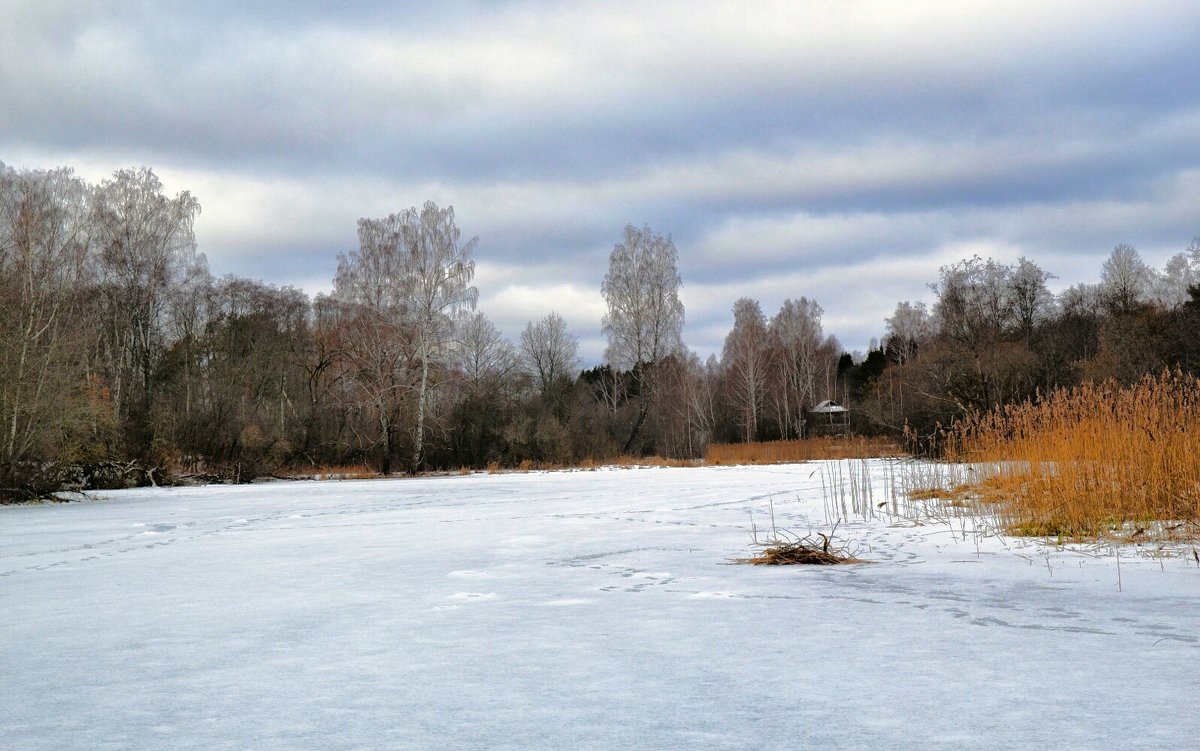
{"points": [[582, 610]]}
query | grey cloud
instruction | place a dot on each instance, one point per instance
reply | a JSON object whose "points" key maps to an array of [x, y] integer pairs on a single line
{"points": [[360, 95], [784, 149]]}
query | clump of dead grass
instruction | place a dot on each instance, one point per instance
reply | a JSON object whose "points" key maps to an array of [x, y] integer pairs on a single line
{"points": [[338, 472], [1093, 461], [785, 548], [791, 554], [800, 450], [956, 494], [652, 461]]}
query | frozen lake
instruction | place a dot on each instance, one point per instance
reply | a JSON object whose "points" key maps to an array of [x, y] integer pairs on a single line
{"points": [[574, 610]]}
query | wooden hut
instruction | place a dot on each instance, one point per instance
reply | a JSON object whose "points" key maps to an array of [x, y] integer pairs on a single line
{"points": [[828, 418]]}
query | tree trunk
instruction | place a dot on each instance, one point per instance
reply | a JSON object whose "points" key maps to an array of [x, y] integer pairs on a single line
{"points": [[643, 410], [18, 385], [644, 389], [385, 466], [422, 392]]}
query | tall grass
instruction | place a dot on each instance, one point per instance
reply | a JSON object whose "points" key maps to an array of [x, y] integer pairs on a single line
{"points": [[803, 450], [1084, 462]]}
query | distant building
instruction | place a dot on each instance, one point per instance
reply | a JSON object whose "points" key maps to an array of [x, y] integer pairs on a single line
{"points": [[828, 418]]}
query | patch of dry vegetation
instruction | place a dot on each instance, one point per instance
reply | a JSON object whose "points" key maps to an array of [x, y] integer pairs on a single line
{"points": [[801, 450], [1093, 461], [653, 461], [786, 549], [589, 463], [337, 472]]}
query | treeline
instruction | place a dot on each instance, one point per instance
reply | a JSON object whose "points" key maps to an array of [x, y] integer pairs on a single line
{"points": [[996, 335], [123, 360]]}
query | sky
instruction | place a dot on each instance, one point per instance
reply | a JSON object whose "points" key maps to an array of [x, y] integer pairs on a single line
{"points": [[842, 150]]}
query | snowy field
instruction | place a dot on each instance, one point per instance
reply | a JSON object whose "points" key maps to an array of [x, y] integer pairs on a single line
{"points": [[573, 610]]}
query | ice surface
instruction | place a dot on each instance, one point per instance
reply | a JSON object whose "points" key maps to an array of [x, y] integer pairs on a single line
{"points": [[574, 610]]}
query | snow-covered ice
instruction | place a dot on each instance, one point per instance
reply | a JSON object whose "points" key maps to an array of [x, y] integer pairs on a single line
{"points": [[571, 610]]}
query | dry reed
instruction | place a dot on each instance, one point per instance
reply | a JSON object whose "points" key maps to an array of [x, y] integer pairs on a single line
{"points": [[1092, 461], [802, 450]]}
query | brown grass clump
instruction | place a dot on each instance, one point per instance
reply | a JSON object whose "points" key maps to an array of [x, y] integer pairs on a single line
{"points": [[339, 472], [958, 493], [1092, 461], [791, 554], [651, 461], [786, 549], [801, 450]]}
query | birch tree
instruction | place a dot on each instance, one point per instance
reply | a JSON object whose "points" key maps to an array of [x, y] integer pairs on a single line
{"points": [[689, 393], [796, 336], [974, 306], [1169, 287], [1124, 280], [146, 246], [43, 259], [745, 358], [907, 329], [438, 286], [372, 335], [485, 358], [645, 316], [410, 278], [487, 364], [1031, 301], [550, 354]]}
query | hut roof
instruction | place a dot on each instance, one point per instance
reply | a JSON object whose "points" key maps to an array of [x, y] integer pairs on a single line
{"points": [[828, 407]]}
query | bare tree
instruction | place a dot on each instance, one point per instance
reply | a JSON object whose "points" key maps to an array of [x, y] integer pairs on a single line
{"points": [[974, 305], [146, 247], [245, 408], [828, 358], [550, 355], [188, 313], [484, 355], [645, 316], [1169, 288], [745, 359], [321, 358], [1031, 301], [908, 328], [796, 337], [440, 270], [484, 408], [1124, 279], [1082, 300], [43, 256], [410, 278], [689, 393], [372, 336]]}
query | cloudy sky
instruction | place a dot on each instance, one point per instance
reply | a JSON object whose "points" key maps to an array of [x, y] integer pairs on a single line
{"points": [[837, 149]]}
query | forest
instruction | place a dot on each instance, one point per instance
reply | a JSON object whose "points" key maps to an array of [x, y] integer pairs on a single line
{"points": [[125, 361]]}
